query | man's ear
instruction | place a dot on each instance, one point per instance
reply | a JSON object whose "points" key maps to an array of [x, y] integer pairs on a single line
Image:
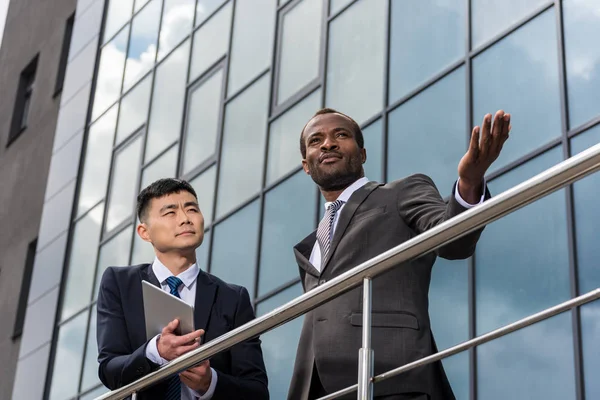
{"points": [[142, 231], [305, 166], [363, 154]]}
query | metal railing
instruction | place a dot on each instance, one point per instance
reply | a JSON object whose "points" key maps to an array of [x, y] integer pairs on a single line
{"points": [[495, 208]]}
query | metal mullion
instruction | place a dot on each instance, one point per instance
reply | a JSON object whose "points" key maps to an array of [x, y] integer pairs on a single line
{"points": [[386, 92], [200, 169], [159, 155], [85, 341], [295, 99], [569, 202], [85, 214], [121, 94], [276, 55], [277, 290], [282, 179], [584, 127], [341, 10], [246, 86], [209, 17], [115, 232], [209, 71], [228, 214]]}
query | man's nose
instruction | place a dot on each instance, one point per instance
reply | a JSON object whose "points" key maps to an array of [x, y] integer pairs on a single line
{"points": [[329, 143]]}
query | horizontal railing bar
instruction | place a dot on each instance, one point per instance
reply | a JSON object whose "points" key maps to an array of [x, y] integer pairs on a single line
{"points": [[519, 196], [505, 330]]}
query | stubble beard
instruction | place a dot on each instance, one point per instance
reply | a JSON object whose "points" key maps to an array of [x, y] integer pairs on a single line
{"points": [[339, 179]]}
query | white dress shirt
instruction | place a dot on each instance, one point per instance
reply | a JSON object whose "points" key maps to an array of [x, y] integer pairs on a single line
{"points": [[315, 255], [187, 292]]}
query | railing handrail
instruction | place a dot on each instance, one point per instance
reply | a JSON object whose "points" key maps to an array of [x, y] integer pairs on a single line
{"points": [[495, 208]]}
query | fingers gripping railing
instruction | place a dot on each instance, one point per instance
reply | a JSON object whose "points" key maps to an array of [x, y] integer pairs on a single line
{"points": [[519, 196]]}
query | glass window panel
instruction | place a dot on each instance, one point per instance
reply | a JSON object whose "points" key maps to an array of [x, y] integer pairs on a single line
{"points": [[177, 20], [374, 146], [356, 64], [202, 127], [134, 109], [84, 249], [234, 248], [139, 4], [418, 52], [284, 150], [243, 153], [587, 215], [142, 44], [527, 86], [337, 5], [202, 252], [110, 73], [582, 25], [279, 345], [205, 8], [67, 361], [164, 167], [119, 12], [166, 113], [123, 184], [485, 14], [253, 28], [282, 229], [97, 161], [437, 116], [142, 252], [523, 258], [449, 313], [211, 41], [90, 365], [300, 47], [204, 185], [114, 253], [533, 363], [94, 393]]}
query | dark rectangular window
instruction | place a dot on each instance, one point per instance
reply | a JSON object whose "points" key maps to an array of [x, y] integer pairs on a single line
{"points": [[64, 55], [24, 294], [23, 100]]}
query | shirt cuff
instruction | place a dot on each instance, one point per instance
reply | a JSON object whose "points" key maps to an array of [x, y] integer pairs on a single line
{"points": [[462, 202], [211, 389], [152, 352]]}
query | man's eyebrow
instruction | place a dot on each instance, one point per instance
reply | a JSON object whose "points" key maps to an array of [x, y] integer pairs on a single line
{"points": [[168, 207], [191, 204]]}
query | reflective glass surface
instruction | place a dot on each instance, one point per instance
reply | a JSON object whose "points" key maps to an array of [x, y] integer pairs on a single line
{"points": [[204, 8], [279, 345], [123, 190], [211, 41], [374, 145], [119, 12], [114, 253], [418, 52], [355, 65], [527, 86], [163, 167], [177, 20], [82, 259], [69, 354], [300, 47], [252, 42], [97, 161], [166, 112], [90, 364], [142, 44], [110, 73], [289, 216], [284, 134], [134, 109], [202, 125], [243, 146], [234, 247], [204, 185], [428, 135], [490, 17], [582, 27]]}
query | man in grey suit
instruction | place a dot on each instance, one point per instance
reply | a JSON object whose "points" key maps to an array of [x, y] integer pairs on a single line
{"points": [[362, 220]]}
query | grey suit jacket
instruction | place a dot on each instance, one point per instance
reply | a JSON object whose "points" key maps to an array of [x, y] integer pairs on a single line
{"points": [[376, 218]]}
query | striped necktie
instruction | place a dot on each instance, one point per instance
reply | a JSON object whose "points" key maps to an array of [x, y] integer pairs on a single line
{"points": [[174, 384], [324, 232]]}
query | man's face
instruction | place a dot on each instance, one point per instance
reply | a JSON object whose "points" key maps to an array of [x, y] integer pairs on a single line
{"points": [[173, 223], [333, 158]]}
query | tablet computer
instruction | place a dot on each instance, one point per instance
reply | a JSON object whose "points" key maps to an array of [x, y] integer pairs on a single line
{"points": [[161, 307]]}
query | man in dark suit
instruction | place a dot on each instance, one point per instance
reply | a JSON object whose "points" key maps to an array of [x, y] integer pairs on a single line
{"points": [[362, 220], [171, 221]]}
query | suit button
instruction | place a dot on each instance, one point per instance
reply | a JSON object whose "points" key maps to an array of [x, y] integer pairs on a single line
{"points": [[322, 281]]}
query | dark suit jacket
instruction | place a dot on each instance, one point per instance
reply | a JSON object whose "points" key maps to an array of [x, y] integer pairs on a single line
{"points": [[219, 308], [376, 218]]}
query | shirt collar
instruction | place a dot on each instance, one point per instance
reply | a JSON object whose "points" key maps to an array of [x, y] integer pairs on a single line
{"points": [[162, 273], [345, 196]]}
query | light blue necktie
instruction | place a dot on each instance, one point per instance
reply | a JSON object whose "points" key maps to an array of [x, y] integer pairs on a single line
{"points": [[174, 384]]}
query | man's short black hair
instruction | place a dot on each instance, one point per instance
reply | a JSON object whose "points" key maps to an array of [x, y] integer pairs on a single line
{"points": [[357, 132], [157, 189]]}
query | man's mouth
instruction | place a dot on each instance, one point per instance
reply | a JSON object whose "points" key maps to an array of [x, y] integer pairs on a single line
{"points": [[329, 158], [185, 233]]}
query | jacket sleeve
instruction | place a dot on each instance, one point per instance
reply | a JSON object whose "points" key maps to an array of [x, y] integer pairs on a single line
{"points": [[248, 378], [422, 207], [119, 366]]}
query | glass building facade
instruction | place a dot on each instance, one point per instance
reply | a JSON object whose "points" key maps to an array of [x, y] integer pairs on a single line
{"points": [[217, 92]]}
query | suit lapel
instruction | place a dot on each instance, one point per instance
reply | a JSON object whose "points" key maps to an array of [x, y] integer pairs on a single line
{"points": [[302, 252], [205, 297], [148, 275], [346, 216]]}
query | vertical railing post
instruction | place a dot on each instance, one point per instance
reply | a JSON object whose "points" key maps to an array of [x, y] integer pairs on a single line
{"points": [[365, 354]]}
